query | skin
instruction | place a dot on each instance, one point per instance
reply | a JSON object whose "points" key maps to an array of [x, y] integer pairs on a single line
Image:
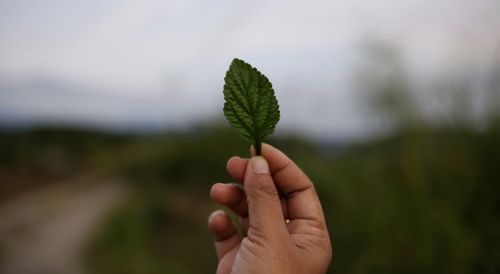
{"points": [[280, 214]]}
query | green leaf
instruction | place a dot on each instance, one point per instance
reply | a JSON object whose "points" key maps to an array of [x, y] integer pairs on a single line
{"points": [[250, 106]]}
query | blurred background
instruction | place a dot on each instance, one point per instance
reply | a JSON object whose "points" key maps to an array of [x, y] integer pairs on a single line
{"points": [[112, 133]]}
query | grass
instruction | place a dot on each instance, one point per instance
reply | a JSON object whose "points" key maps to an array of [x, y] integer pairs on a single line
{"points": [[419, 201]]}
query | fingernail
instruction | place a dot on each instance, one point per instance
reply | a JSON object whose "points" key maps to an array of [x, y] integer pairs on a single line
{"points": [[214, 214], [259, 165]]}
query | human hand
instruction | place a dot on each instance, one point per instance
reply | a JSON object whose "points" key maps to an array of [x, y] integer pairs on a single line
{"points": [[279, 211]]}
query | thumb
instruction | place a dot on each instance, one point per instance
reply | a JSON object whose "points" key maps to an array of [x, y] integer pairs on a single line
{"points": [[264, 206]]}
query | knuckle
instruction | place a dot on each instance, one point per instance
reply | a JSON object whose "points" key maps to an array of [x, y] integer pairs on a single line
{"points": [[267, 190], [262, 185]]}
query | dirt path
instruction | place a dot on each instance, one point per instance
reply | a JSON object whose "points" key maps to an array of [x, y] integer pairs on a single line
{"points": [[46, 231]]}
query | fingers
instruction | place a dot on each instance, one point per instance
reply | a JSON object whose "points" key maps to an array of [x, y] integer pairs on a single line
{"points": [[288, 176], [225, 234], [236, 168], [264, 206], [282, 168], [231, 196], [301, 198]]}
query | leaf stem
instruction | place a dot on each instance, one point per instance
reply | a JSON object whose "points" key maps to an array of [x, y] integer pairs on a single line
{"points": [[258, 145]]}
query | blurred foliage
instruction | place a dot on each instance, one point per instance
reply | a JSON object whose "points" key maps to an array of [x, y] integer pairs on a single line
{"points": [[423, 200], [419, 202]]}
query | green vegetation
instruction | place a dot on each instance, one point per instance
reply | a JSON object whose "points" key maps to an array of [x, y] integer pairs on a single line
{"points": [[250, 106], [423, 200]]}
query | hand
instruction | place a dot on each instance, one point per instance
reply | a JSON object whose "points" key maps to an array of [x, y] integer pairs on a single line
{"points": [[279, 211]]}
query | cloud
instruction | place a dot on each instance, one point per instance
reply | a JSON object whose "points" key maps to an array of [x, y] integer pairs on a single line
{"points": [[173, 54]]}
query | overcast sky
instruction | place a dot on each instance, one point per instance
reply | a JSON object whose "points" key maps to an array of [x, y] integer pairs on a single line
{"points": [[159, 64]]}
